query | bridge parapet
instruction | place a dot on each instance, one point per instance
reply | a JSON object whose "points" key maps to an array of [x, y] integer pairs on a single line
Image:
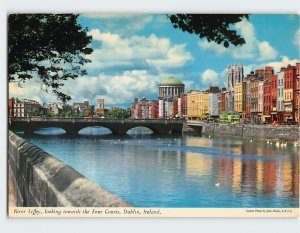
{"points": [[117, 126]]}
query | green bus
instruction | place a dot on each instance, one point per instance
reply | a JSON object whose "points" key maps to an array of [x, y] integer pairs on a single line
{"points": [[230, 117]]}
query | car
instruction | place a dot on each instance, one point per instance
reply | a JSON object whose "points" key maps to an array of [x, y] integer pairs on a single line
{"points": [[290, 122], [276, 123]]}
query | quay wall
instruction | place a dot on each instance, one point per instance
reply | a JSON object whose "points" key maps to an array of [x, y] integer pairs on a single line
{"points": [[281, 132], [41, 180]]}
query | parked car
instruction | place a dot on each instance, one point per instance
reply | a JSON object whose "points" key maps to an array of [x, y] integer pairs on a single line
{"points": [[276, 123], [290, 122]]}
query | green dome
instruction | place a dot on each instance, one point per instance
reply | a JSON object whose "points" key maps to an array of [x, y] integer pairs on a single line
{"points": [[171, 80]]}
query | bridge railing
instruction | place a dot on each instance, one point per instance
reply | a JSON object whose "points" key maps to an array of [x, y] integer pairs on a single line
{"points": [[80, 119]]}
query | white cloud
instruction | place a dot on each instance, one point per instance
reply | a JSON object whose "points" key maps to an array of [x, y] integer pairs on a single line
{"points": [[136, 51], [297, 38], [285, 61], [209, 77], [261, 50], [266, 51], [115, 89]]}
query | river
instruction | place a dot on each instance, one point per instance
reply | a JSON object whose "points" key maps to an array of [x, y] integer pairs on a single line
{"points": [[181, 171]]}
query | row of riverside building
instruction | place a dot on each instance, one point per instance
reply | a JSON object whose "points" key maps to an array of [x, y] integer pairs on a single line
{"points": [[261, 96]]}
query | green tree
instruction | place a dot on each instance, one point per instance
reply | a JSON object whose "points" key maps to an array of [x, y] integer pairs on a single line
{"points": [[214, 27], [51, 47], [35, 112], [117, 113]]}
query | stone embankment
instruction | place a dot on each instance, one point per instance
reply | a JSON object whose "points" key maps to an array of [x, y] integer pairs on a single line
{"points": [[41, 180], [281, 132]]}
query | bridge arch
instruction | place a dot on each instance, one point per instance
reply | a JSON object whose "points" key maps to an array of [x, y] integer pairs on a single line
{"points": [[49, 130], [140, 130], [95, 130]]}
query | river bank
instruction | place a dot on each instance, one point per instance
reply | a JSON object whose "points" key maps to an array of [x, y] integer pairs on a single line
{"points": [[281, 132]]}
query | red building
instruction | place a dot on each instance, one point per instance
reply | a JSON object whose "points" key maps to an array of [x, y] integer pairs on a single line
{"points": [[267, 101], [183, 105], [289, 91], [11, 107], [296, 93], [223, 101], [274, 97]]}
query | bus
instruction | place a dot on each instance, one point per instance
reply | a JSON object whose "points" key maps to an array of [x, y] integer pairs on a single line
{"points": [[230, 117]]}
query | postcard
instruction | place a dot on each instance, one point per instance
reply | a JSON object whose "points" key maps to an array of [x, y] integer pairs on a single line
{"points": [[153, 115]]}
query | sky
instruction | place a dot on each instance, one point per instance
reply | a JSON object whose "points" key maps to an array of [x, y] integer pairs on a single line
{"points": [[134, 52]]}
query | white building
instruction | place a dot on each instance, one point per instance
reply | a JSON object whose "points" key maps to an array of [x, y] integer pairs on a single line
{"points": [[169, 90], [161, 108], [213, 104], [100, 103], [235, 74], [23, 108], [169, 109], [260, 99]]}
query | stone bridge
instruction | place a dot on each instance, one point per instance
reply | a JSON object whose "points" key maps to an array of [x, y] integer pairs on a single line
{"points": [[117, 126]]}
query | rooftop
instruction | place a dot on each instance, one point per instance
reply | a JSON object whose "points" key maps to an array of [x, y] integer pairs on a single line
{"points": [[171, 80]]}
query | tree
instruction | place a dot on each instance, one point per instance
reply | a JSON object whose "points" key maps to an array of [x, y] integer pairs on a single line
{"points": [[214, 27], [117, 113], [51, 47]]}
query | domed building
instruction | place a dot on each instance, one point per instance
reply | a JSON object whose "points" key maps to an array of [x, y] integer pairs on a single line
{"points": [[170, 87], [170, 98]]}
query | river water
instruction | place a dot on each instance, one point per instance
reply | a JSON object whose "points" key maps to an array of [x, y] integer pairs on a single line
{"points": [[181, 171]]}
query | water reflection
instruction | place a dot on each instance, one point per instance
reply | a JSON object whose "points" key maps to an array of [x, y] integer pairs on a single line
{"points": [[151, 171]]}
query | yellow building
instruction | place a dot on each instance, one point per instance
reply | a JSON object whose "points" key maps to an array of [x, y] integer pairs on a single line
{"points": [[240, 98], [197, 105]]}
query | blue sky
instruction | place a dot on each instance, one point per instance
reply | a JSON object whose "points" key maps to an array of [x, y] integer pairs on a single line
{"points": [[133, 53]]}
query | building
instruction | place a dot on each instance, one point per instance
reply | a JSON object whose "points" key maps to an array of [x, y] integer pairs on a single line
{"points": [[296, 93], [153, 109], [213, 102], [197, 105], [265, 73], [24, 107], [250, 77], [235, 74], [56, 108], [144, 109], [100, 110], [182, 105], [169, 90], [260, 99], [274, 98], [222, 101], [239, 99], [81, 107], [280, 95], [288, 92], [254, 100], [11, 107], [266, 117]]}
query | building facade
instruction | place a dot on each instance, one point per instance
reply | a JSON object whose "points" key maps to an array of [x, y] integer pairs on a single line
{"points": [[280, 95], [24, 107], [274, 97], [197, 105], [289, 82], [267, 101], [144, 109], [296, 93], [260, 100], [239, 99], [169, 91], [235, 74]]}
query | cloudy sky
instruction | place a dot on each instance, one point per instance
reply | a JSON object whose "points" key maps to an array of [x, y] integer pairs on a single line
{"points": [[133, 53]]}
